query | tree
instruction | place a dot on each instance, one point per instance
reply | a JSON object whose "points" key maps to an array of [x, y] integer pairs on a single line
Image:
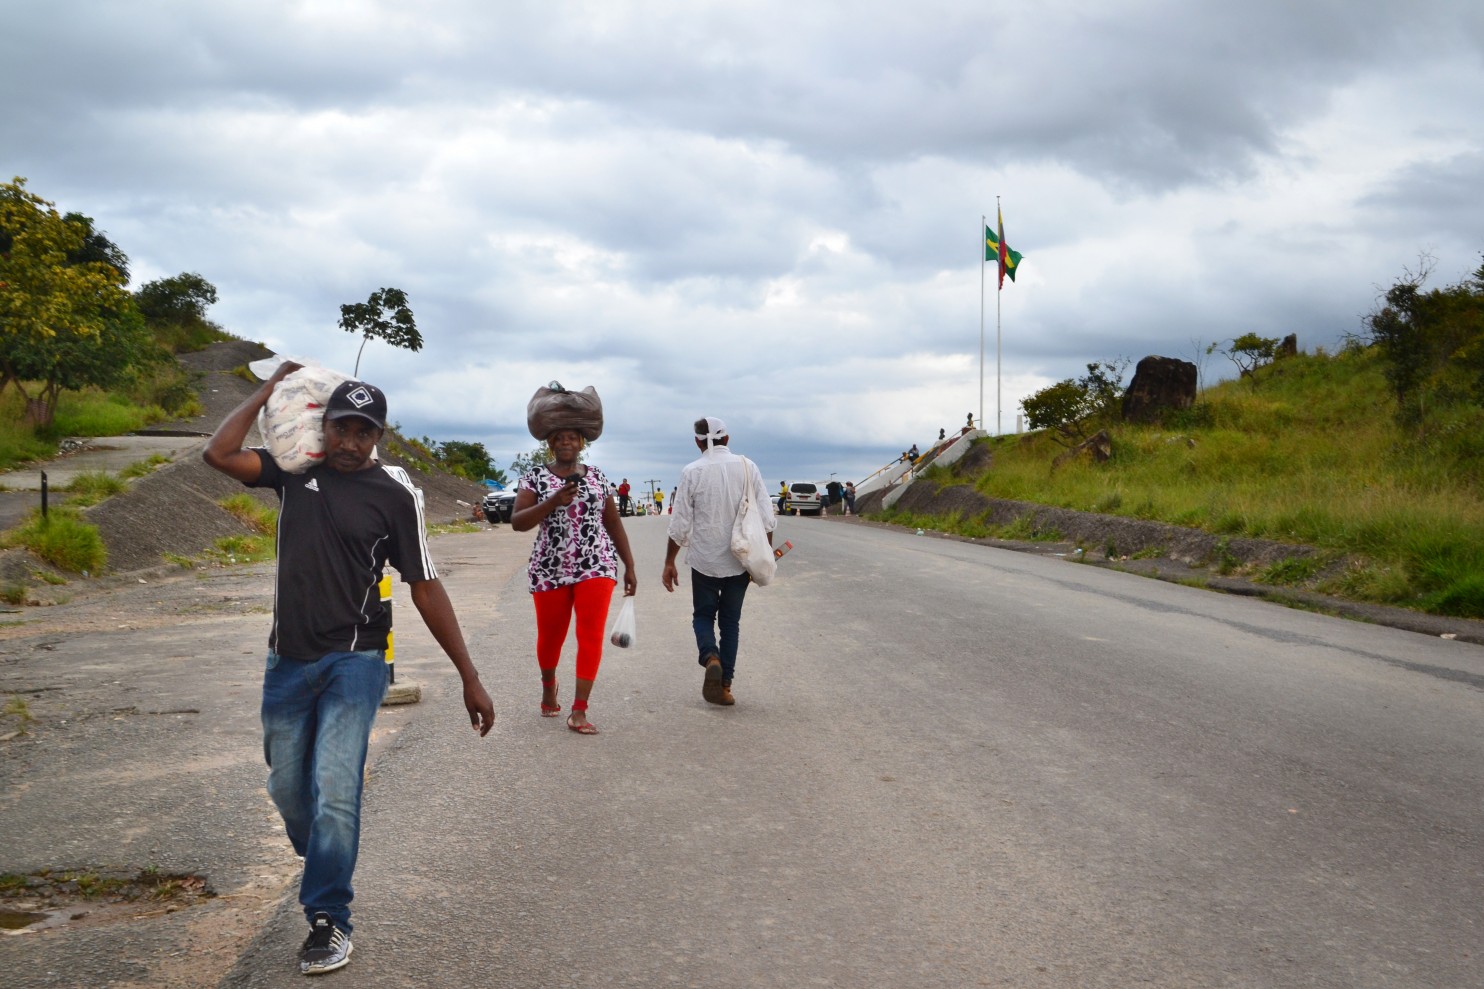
{"points": [[524, 462], [175, 309], [469, 460], [1248, 352], [384, 315], [122, 348], [1069, 407], [42, 290], [65, 319], [1432, 345], [96, 247]]}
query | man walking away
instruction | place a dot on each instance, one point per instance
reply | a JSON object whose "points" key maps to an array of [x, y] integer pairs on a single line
{"points": [[705, 505], [339, 523]]}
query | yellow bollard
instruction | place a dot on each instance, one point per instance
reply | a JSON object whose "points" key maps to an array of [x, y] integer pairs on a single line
{"points": [[386, 599], [397, 693]]}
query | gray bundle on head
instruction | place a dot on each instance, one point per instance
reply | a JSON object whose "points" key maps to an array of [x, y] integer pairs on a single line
{"points": [[554, 407]]}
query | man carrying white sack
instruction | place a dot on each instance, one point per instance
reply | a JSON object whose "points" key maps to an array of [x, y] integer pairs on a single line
{"points": [[340, 522]]}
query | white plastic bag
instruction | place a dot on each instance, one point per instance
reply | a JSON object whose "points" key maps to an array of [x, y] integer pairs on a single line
{"points": [[750, 536], [623, 628]]}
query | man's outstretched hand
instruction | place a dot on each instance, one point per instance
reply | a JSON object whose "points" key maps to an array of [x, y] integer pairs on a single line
{"points": [[481, 709]]}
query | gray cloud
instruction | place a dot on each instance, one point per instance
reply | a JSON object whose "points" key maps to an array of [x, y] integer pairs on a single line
{"points": [[765, 211]]}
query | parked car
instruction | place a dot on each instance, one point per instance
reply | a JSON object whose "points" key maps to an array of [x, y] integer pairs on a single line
{"points": [[804, 498], [497, 506]]}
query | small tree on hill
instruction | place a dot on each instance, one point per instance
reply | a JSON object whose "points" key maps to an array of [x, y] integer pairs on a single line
{"points": [[1248, 352], [175, 309], [1069, 408], [385, 316]]}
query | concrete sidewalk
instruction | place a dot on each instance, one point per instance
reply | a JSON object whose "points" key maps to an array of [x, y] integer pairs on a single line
{"points": [[20, 489]]}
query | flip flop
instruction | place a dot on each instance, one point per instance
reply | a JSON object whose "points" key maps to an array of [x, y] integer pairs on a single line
{"points": [[586, 728], [550, 712]]}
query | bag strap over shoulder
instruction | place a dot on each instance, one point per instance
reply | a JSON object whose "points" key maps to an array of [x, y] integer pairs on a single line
{"points": [[747, 469]]}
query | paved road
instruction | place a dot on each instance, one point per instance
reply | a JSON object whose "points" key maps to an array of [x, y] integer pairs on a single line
{"points": [[948, 766]]}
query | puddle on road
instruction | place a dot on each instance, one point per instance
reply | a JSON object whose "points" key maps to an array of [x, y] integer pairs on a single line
{"points": [[21, 921]]}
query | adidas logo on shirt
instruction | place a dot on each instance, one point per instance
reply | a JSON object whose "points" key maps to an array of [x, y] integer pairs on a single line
{"points": [[313, 484]]}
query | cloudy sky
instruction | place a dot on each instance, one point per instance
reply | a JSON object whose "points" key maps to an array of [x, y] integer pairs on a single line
{"points": [[764, 211]]}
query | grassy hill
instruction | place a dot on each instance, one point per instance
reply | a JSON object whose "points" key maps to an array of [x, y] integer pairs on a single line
{"points": [[1307, 451]]}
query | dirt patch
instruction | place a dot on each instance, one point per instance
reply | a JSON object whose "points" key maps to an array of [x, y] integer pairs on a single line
{"points": [[92, 896]]}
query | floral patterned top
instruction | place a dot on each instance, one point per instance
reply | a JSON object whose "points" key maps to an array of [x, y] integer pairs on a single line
{"points": [[571, 545]]}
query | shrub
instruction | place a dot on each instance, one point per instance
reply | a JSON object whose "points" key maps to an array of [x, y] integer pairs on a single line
{"points": [[91, 487], [63, 540]]}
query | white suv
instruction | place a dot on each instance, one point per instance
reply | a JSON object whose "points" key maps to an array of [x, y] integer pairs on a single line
{"points": [[805, 497]]}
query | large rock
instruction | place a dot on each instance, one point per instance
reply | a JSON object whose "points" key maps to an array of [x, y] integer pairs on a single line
{"points": [[1159, 383]]}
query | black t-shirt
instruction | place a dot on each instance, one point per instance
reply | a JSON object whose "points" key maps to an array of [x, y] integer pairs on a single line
{"points": [[336, 532]]}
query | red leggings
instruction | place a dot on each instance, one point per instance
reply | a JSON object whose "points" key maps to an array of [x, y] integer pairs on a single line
{"points": [[554, 609]]}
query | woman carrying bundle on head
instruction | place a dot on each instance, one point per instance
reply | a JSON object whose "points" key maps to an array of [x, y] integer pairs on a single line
{"points": [[581, 539]]}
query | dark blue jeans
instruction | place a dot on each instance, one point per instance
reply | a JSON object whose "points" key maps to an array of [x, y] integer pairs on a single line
{"points": [[317, 721], [717, 601]]}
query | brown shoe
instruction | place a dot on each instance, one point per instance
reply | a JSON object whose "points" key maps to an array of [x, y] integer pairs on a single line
{"points": [[726, 696], [711, 687]]}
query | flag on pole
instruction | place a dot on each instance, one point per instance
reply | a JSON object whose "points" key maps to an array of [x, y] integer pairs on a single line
{"points": [[995, 249]]}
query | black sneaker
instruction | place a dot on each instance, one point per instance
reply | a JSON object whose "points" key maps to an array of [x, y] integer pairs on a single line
{"points": [[711, 686], [325, 949]]}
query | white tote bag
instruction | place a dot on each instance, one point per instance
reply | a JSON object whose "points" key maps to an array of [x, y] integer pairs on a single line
{"points": [[750, 536]]}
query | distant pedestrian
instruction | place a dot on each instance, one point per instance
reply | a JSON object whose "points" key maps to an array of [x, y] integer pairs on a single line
{"points": [[706, 505], [623, 497], [849, 497]]}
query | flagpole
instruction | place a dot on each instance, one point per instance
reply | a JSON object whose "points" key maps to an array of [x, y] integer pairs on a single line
{"points": [[999, 287], [982, 259]]}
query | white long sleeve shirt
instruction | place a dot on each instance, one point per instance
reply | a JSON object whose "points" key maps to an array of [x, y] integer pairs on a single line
{"points": [[706, 504]]}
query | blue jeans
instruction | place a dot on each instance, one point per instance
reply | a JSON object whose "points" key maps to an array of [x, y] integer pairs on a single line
{"points": [[717, 601], [317, 721]]}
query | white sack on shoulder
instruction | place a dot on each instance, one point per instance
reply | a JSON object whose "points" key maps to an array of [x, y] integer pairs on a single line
{"points": [[292, 421]]}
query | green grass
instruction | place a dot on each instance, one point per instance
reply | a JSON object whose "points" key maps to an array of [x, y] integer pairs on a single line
{"points": [[18, 711], [79, 413], [232, 550], [1310, 455], [256, 515], [142, 467], [91, 487], [61, 539]]}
